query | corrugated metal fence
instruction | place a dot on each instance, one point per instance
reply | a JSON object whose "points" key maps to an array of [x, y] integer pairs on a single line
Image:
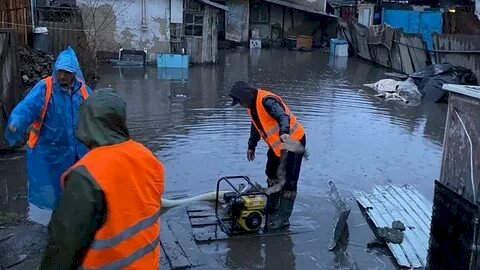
{"points": [[10, 93], [16, 14]]}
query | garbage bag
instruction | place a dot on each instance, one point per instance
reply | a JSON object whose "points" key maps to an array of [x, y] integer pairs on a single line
{"points": [[430, 81], [409, 90]]}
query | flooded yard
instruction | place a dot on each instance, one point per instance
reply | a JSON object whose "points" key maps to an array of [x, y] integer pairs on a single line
{"points": [[354, 140]]}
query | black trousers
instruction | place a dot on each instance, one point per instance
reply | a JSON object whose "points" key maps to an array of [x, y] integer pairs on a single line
{"points": [[294, 163]]}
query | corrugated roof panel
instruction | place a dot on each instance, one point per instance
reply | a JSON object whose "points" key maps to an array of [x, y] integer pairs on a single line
{"points": [[391, 203]]}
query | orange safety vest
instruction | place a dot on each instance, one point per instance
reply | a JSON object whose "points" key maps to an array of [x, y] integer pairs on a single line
{"points": [[132, 180], [269, 129], [37, 125]]}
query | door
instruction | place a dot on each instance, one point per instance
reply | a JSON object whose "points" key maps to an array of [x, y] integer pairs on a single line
{"points": [[236, 25], [366, 17]]}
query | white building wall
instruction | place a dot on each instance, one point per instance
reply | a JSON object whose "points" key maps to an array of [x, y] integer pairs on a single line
{"points": [[115, 24]]}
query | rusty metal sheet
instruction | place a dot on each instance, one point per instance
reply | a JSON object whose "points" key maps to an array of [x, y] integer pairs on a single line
{"points": [[387, 204]]}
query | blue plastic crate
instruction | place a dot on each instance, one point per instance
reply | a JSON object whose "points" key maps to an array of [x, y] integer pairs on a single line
{"points": [[168, 60]]}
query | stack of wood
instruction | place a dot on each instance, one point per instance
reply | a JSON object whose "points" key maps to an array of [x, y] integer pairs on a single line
{"points": [[34, 65]]}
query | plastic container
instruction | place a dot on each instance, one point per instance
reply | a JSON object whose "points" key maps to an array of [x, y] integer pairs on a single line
{"points": [[41, 41], [167, 60], [338, 47]]}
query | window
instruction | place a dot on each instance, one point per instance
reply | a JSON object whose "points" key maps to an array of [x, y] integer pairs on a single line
{"points": [[193, 24], [260, 13]]}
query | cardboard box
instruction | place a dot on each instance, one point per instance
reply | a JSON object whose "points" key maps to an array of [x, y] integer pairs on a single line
{"points": [[304, 42]]}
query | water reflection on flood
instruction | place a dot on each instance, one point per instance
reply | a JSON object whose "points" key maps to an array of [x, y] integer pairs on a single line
{"points": [[354, 139]]}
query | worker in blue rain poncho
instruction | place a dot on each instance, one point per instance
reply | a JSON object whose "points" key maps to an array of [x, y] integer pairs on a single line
{"points": [[49, 115]]}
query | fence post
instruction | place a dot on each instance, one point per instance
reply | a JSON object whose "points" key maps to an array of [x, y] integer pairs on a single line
{"points": [[10, 91]]}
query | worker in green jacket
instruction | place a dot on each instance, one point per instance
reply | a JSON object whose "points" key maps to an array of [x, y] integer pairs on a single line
{"points": [[82, 219]]}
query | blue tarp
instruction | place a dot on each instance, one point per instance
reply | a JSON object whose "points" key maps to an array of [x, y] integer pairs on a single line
{"points": [[423, 22]]}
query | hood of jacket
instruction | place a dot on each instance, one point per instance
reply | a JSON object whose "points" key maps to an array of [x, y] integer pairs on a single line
{"points": [[67, 60], [243, 93], [102, 119]]}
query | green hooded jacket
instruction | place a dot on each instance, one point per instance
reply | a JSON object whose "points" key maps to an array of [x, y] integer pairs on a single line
{"points": [[82, 209]]}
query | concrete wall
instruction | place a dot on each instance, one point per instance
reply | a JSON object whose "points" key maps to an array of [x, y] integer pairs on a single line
{"points": [[115, 24]]}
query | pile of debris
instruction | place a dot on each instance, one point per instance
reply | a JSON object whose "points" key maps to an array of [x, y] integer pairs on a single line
{"points": [[34, 66], [403, 91], [425, 85]]}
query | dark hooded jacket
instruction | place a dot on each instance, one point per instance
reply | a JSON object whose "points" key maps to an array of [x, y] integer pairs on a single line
{"points": [[243, 93], [82, 209]]}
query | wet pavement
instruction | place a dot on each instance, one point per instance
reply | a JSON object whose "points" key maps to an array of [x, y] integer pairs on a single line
{"points": [[354, 139]]}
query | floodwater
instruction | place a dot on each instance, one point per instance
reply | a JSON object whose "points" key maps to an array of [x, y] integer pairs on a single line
{"points": [[354, 140]]}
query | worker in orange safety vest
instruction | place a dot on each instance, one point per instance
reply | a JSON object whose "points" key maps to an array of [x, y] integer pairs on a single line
{"points": [[273, 121], [108, 217]]}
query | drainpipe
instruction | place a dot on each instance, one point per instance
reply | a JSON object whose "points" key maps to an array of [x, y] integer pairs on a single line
{"points": [[33, 8], [144, 15]]}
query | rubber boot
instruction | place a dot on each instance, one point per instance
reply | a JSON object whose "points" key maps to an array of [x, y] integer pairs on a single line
{"points": [[273, 203], [280, 219]]}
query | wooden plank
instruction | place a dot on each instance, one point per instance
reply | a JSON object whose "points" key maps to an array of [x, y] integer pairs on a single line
{"points": [[201, 214], [10, 92], [205, 221], [418, 51], [215, 35], [207, 40], [452, 49], [215, 233], [380, 55], [164, 264], [187, 243], [198, 208], [387, 204], [395, 58], [406, 59], [361, 41], [174, 253], [457, 163]]}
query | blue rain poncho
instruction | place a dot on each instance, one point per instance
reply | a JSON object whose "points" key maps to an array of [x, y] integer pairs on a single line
{"points": [[57, 148]]}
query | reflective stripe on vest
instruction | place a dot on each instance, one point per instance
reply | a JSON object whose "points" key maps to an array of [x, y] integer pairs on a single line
{"points": [[129, 237], [127, 233], [269, 129], [130, 259], [37, 125]]}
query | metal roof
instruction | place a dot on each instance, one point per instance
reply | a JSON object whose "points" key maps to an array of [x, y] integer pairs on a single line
{"points": [[300, 7], [343, 3], [214, 4], [404, 203]]}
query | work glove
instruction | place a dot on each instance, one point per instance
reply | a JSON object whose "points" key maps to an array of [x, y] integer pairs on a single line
{"points": [[251, 154]]}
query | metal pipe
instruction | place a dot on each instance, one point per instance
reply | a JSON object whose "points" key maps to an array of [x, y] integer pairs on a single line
{"points": [[144, 13]]}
